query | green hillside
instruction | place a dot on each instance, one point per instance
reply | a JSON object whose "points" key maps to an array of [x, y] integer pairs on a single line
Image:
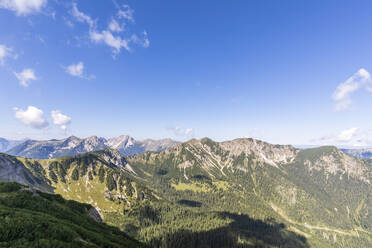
{"points": [[240, 193], [31, 218]]}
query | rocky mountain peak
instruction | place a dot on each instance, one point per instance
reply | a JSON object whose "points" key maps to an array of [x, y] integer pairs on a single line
{"points": [[114, 158], [121, 141], [262, 152], [333, 161]]}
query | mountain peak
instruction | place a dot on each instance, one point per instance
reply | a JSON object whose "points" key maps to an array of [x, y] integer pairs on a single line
{"points": [[120, 142], [333, 161]]}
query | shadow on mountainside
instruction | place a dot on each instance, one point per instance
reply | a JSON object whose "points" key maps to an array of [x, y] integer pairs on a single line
{"points": [[242, 232]]}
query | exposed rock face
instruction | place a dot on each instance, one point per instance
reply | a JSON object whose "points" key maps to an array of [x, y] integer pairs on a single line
{"points": [[121, 142], [12, 170], [336, 162], [311, 191], [127, 146], [265, 152], [94, 214], [216, 158], [113, 157], [90, 144]]}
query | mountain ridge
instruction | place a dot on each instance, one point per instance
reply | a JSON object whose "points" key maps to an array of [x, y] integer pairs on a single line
{"points": [[73, 145], [321, 194]]}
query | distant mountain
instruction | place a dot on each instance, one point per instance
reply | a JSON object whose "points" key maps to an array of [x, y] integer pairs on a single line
{"points": [[241, 193], [57, 148], [365, 153], [5, 144], [126, 145]]}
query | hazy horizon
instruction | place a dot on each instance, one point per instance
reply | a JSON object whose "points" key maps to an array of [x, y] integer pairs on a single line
{"points": [[299, 146]]}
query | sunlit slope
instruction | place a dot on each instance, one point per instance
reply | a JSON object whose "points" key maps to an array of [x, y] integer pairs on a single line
{"points": [[201, 190], [322, 194], [30, 218]]}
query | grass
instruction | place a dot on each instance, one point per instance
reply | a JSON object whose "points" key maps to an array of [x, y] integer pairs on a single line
{"points": [[221, 185], [195, 187], [36, 219]]}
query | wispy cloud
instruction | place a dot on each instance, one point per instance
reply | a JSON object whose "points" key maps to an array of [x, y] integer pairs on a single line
{"points": [[347, 135], [125, 12], [23, 7], [32, 117], [106, 37], [141, 41], [353, 136], [361, 79], [77, 70], [182, 132], [113, 35], [25, 77], [60, 119], [81, 17], [146, 41], [114, 26], [6, 52]]}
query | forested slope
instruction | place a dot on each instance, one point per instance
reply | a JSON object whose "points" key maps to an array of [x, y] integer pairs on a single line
{"points": [[240, 193]]}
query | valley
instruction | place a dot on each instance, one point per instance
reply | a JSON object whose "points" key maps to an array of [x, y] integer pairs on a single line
{"points": [[239, 193]]}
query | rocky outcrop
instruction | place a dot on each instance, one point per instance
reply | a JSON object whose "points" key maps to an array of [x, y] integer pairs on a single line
{"points": [[94, 214], [12, 170], [333, 161]]}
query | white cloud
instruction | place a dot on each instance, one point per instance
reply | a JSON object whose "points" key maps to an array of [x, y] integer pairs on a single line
{"points": [[347, 135], [25, 77], [60, 119], [109, 39], [81, 17], [69, 23], [75, 70], [146, 41], [188, 131], [112, 36], [114, 26], [361, 79], [126, 12], [23, 7], [183, 133], [5, 52], [32, 117]]}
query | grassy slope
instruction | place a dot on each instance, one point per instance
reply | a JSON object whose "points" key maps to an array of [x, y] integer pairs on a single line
{"points": [[203, 203], [289, 194], [35, 219]]}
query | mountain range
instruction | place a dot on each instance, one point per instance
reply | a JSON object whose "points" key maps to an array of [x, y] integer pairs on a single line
{"points": [[6, 145], [364, 153], [125, 144], [202, 193]]}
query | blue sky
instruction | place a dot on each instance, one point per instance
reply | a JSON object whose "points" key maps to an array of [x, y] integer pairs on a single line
{"points": [[289, 72]]}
